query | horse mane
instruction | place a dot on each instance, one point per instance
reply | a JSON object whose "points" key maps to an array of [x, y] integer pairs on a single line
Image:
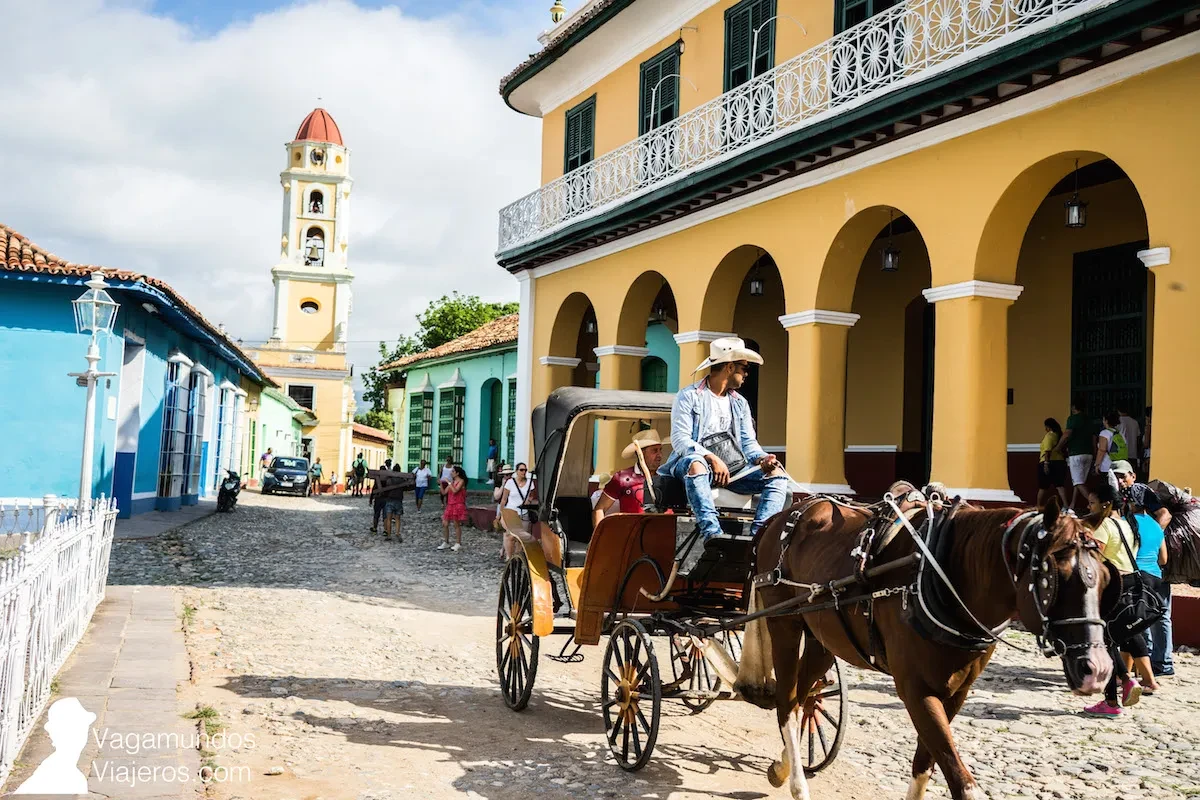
{"points": [[1066, 531]]}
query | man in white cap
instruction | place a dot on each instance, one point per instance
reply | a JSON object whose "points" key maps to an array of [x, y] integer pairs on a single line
{"points": [[626, 488], [712, 435]]}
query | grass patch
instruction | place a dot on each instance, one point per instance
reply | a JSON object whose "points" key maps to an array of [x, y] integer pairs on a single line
{"points": [[209, 716], [189, 615]]}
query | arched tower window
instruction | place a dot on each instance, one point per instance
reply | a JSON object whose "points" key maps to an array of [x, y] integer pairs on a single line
{"points": [[314, 247], [316, 202]]}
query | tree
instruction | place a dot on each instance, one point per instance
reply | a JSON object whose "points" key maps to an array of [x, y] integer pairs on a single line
{"points": [[376, 419], [446, 318]]}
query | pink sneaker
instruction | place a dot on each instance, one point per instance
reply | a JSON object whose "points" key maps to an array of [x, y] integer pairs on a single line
{"points": [[1131, 692], [1102, 709]]}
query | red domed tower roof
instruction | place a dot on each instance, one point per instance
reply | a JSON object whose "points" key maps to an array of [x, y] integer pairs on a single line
{"points": [[319, 126]]}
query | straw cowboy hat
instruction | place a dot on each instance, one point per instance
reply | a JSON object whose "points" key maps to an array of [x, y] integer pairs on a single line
{"points": [[641, 440], [727, 349]]}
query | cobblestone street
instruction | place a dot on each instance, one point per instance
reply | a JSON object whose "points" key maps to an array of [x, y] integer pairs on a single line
{"points": [[365, 670]]}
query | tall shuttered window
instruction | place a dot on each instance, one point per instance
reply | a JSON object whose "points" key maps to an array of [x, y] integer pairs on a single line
{"points": [[581, 135], [420, 428], [427, 426], [741, 22], [659, 108], [192, 449], [511, 423], [451, 415], [176, 401], [848, 13]]}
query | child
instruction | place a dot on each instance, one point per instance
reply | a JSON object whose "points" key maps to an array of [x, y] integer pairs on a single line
{"points": [[455, 496]]}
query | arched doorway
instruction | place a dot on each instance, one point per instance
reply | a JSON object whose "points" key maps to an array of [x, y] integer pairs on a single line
{"points": [[491, 423], [649, 320], [571, 359]]}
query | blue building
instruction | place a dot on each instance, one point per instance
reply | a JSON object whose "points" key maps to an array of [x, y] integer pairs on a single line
{"points": [[168, 421]]}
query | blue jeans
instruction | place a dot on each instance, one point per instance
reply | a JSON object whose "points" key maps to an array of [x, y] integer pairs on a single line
{"points": [[1158, 636], [699, 494]]}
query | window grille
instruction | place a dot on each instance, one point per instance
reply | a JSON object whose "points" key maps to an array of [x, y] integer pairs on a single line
{"points": [[511, 427], [193, 443], [171, 446]]}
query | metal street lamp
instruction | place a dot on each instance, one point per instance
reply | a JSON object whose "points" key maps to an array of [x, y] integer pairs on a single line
{"points": [[754, 46], [654, 95], [95, 312], [1076, 208]]}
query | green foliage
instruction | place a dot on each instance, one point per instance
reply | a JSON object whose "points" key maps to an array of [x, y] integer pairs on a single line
{"points": [[376, 419], [445, 319]]}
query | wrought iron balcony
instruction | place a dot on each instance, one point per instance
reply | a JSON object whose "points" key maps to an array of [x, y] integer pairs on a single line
{"points": [[902, 46]]}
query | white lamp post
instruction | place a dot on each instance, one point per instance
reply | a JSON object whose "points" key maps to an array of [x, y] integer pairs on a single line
{"points": [[654, 97], [95, 312], [758, 30]]}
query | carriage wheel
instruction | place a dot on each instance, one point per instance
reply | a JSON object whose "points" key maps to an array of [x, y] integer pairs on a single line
{"points": [[516, 646], [823, 723], [688, 663], [629, 688]]}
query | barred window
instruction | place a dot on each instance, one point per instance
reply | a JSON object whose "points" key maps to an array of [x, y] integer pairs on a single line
{"points": [[174, 433]]}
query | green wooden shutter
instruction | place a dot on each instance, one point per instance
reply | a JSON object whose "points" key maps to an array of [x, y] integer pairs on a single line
{"points": [[654, 374], [667, 98], [581, 135], [740, 24], [427, 426], [848, 13], [512, 422], [460, 415], [445, 438], [416, 419]]}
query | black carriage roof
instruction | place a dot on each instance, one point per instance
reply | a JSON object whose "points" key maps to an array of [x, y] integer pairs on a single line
{"points": [[552, 418]]}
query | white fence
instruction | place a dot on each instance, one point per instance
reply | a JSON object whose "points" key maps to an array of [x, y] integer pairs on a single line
{"points": [[51, 580], [903, 45]]}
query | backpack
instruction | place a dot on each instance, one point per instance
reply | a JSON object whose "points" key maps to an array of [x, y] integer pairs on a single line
{"points": [[1118, 449]]}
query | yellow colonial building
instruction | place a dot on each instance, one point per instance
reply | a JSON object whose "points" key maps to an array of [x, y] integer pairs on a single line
{"points": [[306, 353], [938, 220]]}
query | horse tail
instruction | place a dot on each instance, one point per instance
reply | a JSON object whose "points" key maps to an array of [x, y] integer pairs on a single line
{"points": [[756, 673]]}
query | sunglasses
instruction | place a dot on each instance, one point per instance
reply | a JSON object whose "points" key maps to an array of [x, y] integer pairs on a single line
{"points": [[521, 469]]}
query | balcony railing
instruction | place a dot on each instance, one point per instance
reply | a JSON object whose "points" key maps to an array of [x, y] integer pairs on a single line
{"points": [[903, 45]]}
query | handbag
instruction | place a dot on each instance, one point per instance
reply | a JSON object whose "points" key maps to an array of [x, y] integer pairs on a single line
{"points": [[722, 445], [1140, 604]]}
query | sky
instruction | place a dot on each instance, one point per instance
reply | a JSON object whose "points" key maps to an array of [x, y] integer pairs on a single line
{"points": [[149, 135]]}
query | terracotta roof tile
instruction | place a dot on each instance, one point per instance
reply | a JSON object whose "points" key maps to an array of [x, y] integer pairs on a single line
{"points": [[558, 39], [372, 433], [18, 254], [319, 126], [499, 331]]}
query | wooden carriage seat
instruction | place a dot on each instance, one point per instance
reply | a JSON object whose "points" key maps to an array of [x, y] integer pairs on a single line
{"points": [[575, 517], [673, 496]]}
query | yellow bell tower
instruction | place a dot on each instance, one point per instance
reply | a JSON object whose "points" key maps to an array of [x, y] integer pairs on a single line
{"points": [[306, 353]]}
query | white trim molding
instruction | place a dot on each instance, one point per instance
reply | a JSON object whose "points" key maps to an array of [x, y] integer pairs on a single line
{"points": [[818, 315], [203, 370], [954, 291], [687, 337], [424, 386], [1035, 447], [310, 374], [872, 448], [456, 381], [130, 336], [986, 495], [822, 488], [621, 350], [559, 361], [521, 434], [176, 357], [1155, 256]]}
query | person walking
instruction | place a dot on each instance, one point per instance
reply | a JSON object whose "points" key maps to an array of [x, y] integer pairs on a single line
{"points": [[359, 468], [1131, 432], [1079, 444], [393, 510], [446, 477], [264, 460], [1052, 465], [492, 452], [422, 474], [1110, 447], [1150, 559], [315, 472], [455, 495]]}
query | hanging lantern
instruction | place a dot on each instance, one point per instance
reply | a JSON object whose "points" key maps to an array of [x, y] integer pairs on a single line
{"points": [[756, 281], [557, 12], [891, 254], [1076, 208], [589, 327]]}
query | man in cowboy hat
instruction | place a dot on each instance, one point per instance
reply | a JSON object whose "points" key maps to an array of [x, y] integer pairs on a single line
{"points": [[713, 439], [626, 488]]}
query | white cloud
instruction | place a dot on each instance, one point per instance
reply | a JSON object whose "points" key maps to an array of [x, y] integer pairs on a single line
{"points": [[129, 141]]}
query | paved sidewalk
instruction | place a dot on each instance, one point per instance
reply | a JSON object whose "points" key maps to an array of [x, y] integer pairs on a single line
{"points": [[156, 523], [125, 671]]}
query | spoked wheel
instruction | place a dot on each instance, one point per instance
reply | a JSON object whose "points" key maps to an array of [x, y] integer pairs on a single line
{"points": [[823, 721], [516, 645], [630, 695], [693, 672]]}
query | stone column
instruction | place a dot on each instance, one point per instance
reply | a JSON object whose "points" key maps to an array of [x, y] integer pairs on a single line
{"points": [[970, 405], [693, 349], [522, 436], [279, 323], [816, 410], [620, 368]]}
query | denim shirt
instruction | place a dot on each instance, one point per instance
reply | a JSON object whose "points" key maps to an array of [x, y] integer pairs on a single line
{"points": [[686, 424]]}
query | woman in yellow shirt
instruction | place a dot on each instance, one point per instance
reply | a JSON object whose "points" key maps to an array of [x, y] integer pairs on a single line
{"points": [[1052, 465]]}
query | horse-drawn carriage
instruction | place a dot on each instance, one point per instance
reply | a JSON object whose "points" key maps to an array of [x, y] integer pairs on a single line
{"points": [[620, 579]]}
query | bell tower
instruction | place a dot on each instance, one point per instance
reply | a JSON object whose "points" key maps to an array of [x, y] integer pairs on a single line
{"points": [[312, 280]]}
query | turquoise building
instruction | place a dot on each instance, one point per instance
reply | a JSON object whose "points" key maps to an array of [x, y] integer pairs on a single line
{"points": [[168, 420], [453, 399]]}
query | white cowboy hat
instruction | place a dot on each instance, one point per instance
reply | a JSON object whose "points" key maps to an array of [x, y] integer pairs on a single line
{"points": [[641, 440], [730, 348]]}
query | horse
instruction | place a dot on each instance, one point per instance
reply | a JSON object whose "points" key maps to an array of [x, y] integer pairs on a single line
{"points": [[993, 558]]}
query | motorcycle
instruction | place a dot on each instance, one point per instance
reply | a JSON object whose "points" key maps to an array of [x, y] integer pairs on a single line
{"points": [[227, 496]]}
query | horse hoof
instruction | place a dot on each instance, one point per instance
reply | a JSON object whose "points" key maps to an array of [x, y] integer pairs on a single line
{"points": [[776, 774]]}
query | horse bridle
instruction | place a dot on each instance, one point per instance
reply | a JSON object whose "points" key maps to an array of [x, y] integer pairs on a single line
{"points": [[1043, 582]]}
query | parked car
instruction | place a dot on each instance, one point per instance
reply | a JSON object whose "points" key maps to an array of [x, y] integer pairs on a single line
{"points": [[286, 474]]}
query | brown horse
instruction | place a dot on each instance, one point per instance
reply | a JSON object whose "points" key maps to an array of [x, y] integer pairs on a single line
{"points": [[931, 679]]}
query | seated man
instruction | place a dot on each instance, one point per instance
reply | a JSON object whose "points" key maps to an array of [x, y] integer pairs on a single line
{"points": [[626, 488], [714, 443]]}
